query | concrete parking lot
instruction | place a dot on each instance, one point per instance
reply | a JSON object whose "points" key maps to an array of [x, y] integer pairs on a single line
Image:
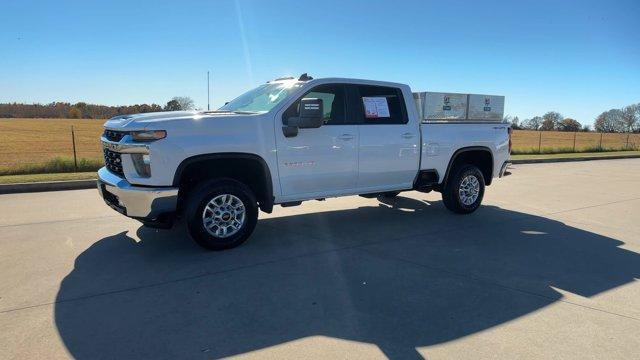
{"points": [[547, 268]]}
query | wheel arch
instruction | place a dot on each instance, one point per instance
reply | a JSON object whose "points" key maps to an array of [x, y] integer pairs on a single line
{"points": [[249, 168], [480, 156]]}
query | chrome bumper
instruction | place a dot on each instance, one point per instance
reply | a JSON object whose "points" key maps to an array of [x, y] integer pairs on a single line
{"points": [[135, 201]]}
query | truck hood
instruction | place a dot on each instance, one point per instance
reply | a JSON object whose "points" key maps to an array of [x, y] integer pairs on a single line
{"points": [[141, 120], [146, 120]]}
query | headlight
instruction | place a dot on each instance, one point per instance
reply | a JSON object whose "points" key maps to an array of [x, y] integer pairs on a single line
{"points": [[148, 135], [142, 163]]}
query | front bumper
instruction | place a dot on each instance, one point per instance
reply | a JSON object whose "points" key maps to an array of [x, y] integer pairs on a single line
{"points": [[140, 202]]}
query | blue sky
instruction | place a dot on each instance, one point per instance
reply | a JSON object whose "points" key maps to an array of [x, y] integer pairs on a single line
{"points": [[576, 57]]}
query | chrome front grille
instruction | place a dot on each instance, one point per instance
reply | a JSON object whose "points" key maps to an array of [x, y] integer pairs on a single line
{"points": [[113, 162]]}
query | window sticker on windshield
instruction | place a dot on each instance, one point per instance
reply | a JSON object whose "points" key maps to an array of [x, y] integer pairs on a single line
{"points": [[376, 107]]}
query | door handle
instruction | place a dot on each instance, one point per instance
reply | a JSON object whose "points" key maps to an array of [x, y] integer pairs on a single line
{"points": [[407, 135], [346, 137]]}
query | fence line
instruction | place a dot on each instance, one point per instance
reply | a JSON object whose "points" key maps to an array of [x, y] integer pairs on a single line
{"points": [[27, 145], [531, 141]]}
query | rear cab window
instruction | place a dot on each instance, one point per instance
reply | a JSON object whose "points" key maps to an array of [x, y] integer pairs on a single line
{"points": [[381, 105]]}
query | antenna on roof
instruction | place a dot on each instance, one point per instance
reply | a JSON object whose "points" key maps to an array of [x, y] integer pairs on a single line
{"points": [[304, 77]]}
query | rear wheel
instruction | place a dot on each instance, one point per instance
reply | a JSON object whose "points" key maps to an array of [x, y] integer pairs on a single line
{"points": [[464, 190], [221, 214]]}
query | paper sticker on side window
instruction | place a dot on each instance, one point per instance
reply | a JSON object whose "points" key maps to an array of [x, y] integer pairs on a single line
{"points": [[376, 107]]}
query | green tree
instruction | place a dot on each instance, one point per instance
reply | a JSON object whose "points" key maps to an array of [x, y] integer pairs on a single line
{"points": [[75, 113], [533, 123], [630, 119], [172, 105], [610, 121], [514, 121], [570, 124], [179, 103], [186, 103], [551, 121]]}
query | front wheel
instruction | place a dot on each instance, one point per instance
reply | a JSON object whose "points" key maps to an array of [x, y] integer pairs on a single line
{"points": [[464, 190], [221, 214]]}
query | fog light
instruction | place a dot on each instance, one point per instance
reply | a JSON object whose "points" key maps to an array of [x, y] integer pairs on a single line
{"points": [[142, 163]]}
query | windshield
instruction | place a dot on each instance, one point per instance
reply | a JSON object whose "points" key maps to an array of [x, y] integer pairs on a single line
{"points": [[261, 99]]}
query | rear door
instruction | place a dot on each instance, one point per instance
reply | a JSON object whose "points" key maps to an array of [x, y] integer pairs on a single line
{"points": [[324, 161], [389, 146]]}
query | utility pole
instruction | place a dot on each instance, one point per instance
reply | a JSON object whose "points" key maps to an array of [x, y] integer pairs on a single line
{"points": [[208, 101]]}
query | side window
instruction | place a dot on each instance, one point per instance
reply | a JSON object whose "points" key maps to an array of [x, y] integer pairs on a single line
{"points": [[382, 105], [333, 100]]}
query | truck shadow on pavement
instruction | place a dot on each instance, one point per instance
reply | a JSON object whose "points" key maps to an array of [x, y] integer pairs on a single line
{"points": [[400, 275]]}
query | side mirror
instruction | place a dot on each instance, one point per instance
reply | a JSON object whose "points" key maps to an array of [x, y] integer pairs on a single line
{"points": [[311, 117]]}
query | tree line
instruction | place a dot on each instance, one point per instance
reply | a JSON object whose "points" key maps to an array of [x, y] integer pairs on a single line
{"points": [[626, 119], [82, 110], [622, 120]]}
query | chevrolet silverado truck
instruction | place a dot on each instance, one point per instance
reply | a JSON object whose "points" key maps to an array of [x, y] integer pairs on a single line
{"points": [[296, 139]]}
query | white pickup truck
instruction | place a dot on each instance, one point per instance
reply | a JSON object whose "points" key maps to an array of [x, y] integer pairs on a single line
{"points": [[292, 140]]}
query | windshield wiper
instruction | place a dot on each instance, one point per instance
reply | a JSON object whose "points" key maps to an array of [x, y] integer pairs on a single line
{"points": [[230, 112]]}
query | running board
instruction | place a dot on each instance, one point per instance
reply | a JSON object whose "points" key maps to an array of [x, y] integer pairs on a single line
{"points": [[291, 203]]}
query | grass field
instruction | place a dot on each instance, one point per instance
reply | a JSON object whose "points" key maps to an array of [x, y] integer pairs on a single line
{"points": [[527, 141], [45, 145], [576, 155], [27, 144], [29, 178]]}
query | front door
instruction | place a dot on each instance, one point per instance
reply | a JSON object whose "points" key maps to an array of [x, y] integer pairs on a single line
{"points": [[323, 161]]}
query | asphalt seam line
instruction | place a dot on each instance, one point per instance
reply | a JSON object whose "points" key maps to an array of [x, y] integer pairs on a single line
{"points": [[591, 206]]}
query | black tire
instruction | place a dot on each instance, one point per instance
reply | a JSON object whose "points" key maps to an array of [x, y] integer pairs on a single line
{"points": [[451, 193], [198, 200]]}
